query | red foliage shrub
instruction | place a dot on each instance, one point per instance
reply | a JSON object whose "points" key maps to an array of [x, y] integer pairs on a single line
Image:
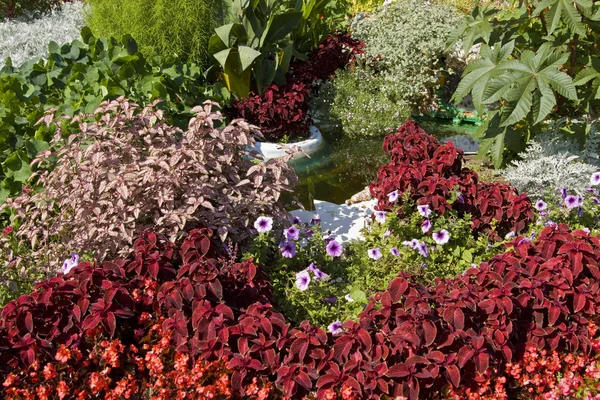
{"points": [[283, 110], [430, 171], [279, 111], [191, 303]]}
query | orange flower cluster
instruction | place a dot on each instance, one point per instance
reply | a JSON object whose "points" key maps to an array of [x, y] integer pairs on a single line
{"points": [[115, 371]]}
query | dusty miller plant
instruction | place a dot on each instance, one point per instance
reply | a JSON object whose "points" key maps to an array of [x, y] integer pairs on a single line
{"points": [[27, 39], [552, 162], [410, 36], [128, 171]]}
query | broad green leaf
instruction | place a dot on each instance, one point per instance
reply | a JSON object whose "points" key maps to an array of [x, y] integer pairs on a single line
{"points": [[359, 296], [16, 166], [279, 26], [519, 99], [563, 10], [543, 104], [247, 56]]}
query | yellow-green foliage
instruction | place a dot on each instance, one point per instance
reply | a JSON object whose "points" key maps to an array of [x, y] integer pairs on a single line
{"points": [[179, 28], [357, 6]]}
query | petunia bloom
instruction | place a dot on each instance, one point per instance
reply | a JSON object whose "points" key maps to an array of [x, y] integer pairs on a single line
{"points": [[573, 201], [263, 224], [441, 237], [423, 249], [292, 233], [315, 220], [334, 249], [296, 221], [380, 216], [393, 196], [288, 249], [510, 235], [348, 298], [330, 300], [595, 179], [426, 226], [335, 328], [424, 210], [541, 205], [375, 254], [395, 251], [70, 263], [302, 280], [563, 193]]}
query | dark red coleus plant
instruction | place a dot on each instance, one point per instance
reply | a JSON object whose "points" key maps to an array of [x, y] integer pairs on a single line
{"points": [[431, 171]]}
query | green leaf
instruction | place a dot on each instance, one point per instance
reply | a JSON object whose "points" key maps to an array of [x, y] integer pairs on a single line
{"points": [[279, 26], [543, 104], [247, 56], [16, 166], [359, 296]]}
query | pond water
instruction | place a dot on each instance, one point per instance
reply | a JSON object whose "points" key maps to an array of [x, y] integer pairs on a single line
{"points": [[342, 168]]}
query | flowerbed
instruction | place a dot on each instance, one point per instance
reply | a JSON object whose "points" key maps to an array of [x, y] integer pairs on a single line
{"points": [[411, 340]]}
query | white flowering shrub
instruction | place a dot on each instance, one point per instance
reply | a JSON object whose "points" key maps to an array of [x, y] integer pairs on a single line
{"points": [[22, 40], [410, 36], [552, 162], [360, 103]]}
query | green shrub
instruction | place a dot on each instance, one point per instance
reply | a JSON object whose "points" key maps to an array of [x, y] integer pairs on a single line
{"points": [[361, 103], [410, 37], [76, 78], [179, 28]]}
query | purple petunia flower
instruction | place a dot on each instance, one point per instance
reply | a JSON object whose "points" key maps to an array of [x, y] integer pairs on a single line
{"points": [[441, 237], [524, 240], [380, 216], [334, 249], [510, 235], [460, 198], [541, 205], [586, 230], [595, 179], [375, 254], [426, 226], [288, 249], [292, 233], [308, 233], [302, 280], [321, 276], [424, 210], [592, 190], [315, 220], [70, 263], [331, 300], [296, 221], [393, 196], [573, 201], [348, 298], [387, 233], [595, 200], [263, 224], [551, 223], [335, 328], [423, 249], [563, 193], [395, 251]]}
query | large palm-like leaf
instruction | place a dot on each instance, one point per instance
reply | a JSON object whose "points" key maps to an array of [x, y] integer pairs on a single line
{"points": [[479, 72], [564, 10]]}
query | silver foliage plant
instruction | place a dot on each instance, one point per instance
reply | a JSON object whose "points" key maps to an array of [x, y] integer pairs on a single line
{"points": [[129, 171], [410, 36], [22, 40], [552, 162]]}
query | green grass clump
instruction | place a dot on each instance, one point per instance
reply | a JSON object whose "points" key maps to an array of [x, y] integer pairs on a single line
{"points": [[179, 28]]}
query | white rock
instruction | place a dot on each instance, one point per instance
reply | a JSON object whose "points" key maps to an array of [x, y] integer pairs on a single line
{"points": [[344, 221], [278, 150]]}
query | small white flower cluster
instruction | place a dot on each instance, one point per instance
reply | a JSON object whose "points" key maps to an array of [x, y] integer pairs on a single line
{"points": [[25, 40]]}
